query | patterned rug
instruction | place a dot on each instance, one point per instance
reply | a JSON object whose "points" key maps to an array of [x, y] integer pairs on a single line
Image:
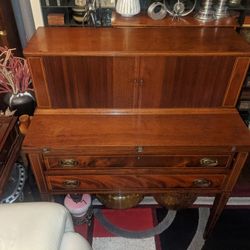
{"points": [[135, 220], [184, 233]]}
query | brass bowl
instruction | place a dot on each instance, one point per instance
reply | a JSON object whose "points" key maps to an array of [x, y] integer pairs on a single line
{"points": [[175, 201], [120, 201]]}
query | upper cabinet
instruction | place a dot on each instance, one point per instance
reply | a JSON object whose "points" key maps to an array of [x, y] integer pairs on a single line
{"points": [[137, 68]]}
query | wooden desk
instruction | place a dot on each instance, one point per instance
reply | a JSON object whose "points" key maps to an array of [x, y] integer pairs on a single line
{"points": [[147, 110], [188, 151]]}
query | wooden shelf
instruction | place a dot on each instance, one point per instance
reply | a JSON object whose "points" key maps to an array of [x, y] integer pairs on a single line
{"points": [[142, 20]]}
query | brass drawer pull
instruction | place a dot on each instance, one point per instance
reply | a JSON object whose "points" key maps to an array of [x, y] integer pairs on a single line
{"points": [[68, 163], [202, 183], [209, 162], [71, 183]]}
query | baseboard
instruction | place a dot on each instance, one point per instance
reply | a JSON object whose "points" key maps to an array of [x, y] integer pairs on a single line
{"points": [[233, 201]]}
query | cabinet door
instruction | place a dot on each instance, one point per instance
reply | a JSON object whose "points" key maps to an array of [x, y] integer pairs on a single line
{"points": [[125, 82], [189, 81], [91, 82], [151, 82], [78, 82]]}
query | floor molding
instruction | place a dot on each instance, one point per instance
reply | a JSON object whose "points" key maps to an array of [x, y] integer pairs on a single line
{"points": [[233, 201]]}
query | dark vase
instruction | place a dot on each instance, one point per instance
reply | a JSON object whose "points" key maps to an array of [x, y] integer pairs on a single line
{"points": [[23, 103]]}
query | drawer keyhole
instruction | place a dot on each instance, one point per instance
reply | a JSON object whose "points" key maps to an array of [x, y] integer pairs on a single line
{"points": [[71, 183], [139, 149]]}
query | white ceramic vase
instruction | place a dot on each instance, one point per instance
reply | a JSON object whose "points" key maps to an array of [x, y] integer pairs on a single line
{"points": [[128, 8]]}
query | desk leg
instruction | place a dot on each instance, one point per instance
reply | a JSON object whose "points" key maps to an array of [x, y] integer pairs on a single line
{"points": [[218, 206], [222, 198], [38, 169]]}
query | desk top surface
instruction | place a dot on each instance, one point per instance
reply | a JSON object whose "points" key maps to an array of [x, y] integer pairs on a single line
{"points": [[183, 128], [136, 41]]}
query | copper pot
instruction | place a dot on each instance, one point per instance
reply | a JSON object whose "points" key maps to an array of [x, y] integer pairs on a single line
{"points": [[120, 201]]}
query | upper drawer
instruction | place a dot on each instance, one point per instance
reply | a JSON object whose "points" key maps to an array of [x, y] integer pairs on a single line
{"points": [[87, 162]]}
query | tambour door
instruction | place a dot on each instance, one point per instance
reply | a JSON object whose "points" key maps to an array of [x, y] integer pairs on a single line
{"points": [[184, 81], [139, 82], [90, 82]]}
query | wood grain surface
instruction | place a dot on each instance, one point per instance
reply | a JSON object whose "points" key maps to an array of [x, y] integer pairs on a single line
{"points": [[65, 131], [136, 41]]}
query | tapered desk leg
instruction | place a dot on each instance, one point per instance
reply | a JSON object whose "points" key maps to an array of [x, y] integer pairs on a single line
{"points": [[219, 204], [222, 198]]}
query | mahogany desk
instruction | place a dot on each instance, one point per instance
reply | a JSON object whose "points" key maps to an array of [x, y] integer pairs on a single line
{"points": [[130, 110]]}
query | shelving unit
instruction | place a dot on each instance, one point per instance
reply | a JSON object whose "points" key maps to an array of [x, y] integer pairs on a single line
{"points": [[62, 10], [65, 9]]}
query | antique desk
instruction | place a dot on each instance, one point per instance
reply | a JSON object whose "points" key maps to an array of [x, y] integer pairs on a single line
{"points": [[138, 110], [10, 145]]}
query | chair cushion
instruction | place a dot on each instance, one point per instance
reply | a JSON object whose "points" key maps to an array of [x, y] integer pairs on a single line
{"points": [[74, 241], [33, 226]]}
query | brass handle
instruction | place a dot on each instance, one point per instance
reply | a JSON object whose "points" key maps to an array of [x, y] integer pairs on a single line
{"points": [[71, 183], [3, 33], [209, 162], [68, 163], [202, 183]]}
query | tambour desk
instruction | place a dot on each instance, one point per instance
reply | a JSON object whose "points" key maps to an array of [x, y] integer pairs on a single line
{"points": [[138, 110]]}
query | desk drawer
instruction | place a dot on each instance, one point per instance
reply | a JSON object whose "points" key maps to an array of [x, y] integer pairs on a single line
{"points": [[90, 162], [123, 183]]}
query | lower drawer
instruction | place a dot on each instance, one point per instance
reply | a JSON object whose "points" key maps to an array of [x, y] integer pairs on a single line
{"points": [[122, 183]]}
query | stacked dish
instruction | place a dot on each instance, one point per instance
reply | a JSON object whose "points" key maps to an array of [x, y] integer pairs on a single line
{"points": [[79, 11]]}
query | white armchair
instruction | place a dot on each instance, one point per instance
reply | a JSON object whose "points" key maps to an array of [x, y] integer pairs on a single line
{"points": [[38, 226]]}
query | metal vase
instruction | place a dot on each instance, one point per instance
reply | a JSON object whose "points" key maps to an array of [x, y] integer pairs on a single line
{"points": [[206, 12], [221, 9]]}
